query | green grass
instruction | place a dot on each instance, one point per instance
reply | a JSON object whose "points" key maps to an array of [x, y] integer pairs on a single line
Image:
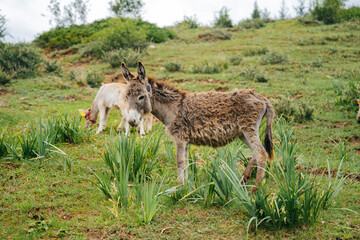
{"points": [[57, 198]]}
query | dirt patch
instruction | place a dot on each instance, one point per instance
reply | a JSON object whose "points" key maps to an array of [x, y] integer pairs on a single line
{"points": [[222, 89], [4, 103], [324, 171], [114, 77], [209, 80], [355, 140], [340, 124], [180, 80]]}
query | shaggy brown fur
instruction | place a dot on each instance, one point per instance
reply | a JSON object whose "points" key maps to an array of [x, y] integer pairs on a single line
{"points": [[211, 118]]}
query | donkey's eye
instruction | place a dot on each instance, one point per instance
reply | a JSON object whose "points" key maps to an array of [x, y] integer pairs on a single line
{"points": [[141, 97]]}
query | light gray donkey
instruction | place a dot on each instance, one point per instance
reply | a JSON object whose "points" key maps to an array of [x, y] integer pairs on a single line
{"points": [[203, 118]]}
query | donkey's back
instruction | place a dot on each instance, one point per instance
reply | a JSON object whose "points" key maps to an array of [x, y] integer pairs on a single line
{"points": [[215, 119]]}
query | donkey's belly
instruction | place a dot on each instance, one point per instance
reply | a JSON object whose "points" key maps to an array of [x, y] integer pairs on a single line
{"points": [[215, 137]]}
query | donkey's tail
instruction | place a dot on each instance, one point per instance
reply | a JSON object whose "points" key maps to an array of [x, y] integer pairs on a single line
{"points": [[268, 142]]}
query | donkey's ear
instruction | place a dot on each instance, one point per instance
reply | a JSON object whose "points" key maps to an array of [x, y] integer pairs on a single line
{"points": [[141, 72], [127, 74], [358, 101]]}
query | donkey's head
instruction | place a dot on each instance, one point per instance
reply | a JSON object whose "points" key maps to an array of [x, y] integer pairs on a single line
{"points": [[138, 93]]}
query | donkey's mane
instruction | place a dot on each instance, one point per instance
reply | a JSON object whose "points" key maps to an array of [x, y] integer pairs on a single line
{"points": [[164, 92]]}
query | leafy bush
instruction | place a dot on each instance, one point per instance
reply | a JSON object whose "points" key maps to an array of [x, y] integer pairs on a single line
{"points": [[210, 68], [19, 60], [327, 11], [173, 67], [347, 89], [222, 19], [215, 35], [255, 51], [129, 56], [108, 34], [188, 23], [349, 14], [123, 33], [4, 78], [254, 74], [273, 58], [94, 79]]}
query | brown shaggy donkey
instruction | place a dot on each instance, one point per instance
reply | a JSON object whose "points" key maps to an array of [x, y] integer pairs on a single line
{"points": [[204, 118]]}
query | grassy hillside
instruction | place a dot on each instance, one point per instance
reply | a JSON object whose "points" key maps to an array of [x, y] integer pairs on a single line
{"points": [[310, 73]]}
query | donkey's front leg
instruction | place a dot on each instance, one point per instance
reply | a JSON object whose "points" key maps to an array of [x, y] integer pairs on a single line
{"points": [[102, 123], [182, 161], [141, 126]]}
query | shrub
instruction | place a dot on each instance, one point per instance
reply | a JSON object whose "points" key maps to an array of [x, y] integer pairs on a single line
{"points": [[94, 79], [188, 23], [255, 51], [215, 35], [273, 58], [173, 67], [129, 56], [94, 48], [210, 68], [19, 60], [123, 33], [352, 13], [222, 19], [4, 78], [235, 60], [327, 11]]}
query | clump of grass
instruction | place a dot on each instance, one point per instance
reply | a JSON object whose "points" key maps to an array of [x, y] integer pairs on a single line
{"points": [[94, 79], [215, 35], [255, 51], [3, 147], [235, 60], [254, 23], [273, 58], [52, 67], [189, 22], [173, 67], [129, 56], [128, 160], [78, 75], [210, 68], [150, 194], [293, 199], [347, 89], [288, 109], [254, 74]]}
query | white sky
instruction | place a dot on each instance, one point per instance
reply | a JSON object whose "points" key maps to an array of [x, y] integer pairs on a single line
{"points": [[26, 20]]}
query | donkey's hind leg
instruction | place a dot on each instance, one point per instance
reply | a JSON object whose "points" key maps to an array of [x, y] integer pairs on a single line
{"points": [[182, 161], [259, 158]]}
